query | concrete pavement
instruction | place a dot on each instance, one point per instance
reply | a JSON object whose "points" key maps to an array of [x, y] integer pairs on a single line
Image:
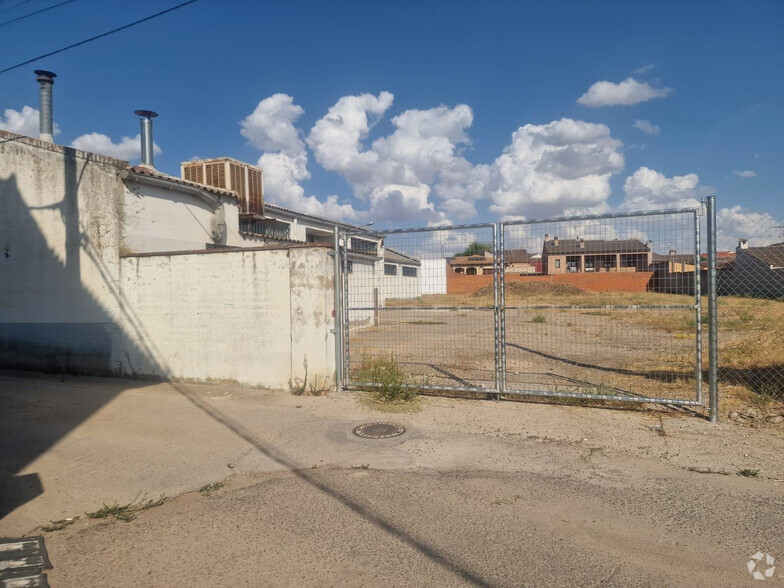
{"points": [[475, 492]]}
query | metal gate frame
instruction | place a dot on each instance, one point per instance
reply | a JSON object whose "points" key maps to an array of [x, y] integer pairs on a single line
{"points": [[342, 309]]}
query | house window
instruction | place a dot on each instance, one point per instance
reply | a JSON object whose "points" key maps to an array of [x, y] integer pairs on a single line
{"points": [[409, 272], [273, 229], [363, 246], [390, 269], [558, 263]]}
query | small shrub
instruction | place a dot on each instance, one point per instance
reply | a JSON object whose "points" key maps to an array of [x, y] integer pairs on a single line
{"points": [[748, 473], [539, 318], [209, 489], [125, 512], [59, 525], [388, 382]]}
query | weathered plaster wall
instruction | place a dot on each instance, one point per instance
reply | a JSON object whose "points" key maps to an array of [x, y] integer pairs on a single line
{"points": [[160, 219], [251, 316], [311, 287], [60, 216], [69, 302]]}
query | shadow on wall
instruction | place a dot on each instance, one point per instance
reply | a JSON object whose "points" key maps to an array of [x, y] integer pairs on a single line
{"points": [[56, 323], [49, 320]]}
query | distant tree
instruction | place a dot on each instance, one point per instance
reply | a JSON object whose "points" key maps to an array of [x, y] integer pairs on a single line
{"points": [[475, 248]]}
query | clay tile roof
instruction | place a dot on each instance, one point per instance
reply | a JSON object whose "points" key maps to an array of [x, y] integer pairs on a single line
{"points": [[772, 255], [153, 173], [516, 256], [594, 246], [397, 257]]}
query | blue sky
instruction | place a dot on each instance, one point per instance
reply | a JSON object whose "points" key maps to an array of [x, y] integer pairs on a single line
{"points": [[495, 67]]}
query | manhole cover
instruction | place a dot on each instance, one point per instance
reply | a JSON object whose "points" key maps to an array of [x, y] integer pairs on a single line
{"points": [[379, 430]]}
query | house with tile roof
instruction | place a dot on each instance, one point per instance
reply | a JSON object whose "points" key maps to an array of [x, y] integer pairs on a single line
{"points": [[756, 271], [560, 256]]}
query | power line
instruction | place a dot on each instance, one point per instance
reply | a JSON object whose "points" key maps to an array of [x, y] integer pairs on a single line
{"points": [[95, 38], [18, 18], [7, 8]]}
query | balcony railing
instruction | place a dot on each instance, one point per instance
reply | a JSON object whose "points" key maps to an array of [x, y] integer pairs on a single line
{"points": [[267, 228], [363, 246]]}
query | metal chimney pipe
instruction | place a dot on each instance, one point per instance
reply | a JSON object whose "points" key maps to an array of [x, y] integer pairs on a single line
{"points": [[45, 124], [146, 116]]}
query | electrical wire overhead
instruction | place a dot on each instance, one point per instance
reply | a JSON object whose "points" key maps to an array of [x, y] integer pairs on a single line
{"points": [[24, 16], [96, 37], [17, 5]]}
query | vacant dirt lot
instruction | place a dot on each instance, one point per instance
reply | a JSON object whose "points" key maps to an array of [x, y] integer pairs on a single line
{"points": [[474, 493], [559, 339]]}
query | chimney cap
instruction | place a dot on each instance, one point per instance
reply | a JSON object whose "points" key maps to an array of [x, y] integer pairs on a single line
{"points": [[45, 76], [145, 113]]}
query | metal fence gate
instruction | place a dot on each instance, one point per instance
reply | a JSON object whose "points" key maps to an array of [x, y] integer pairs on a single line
{"points": [[603, 307]]}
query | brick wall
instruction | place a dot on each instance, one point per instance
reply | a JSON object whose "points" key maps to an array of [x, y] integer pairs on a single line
{"points": [[591, 282]]}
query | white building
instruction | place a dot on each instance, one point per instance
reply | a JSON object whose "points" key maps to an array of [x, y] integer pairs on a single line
{"points": [[110, 269], [433, 276], [401, 277]]}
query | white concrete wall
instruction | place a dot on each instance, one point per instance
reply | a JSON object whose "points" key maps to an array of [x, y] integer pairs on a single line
{"points": [[160, 219], [69, 302], [399, 286], [362, 281], [60, 219], [250, 316], [300, 225], [432, 275]]}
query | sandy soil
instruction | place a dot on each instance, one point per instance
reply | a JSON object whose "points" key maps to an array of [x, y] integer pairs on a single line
{"points": [[575, 350]]}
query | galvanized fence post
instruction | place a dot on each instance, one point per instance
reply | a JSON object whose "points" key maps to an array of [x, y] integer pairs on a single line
{"points": [[713, 342], [697, 305], [495, 314], [501, 310], [345, 314], [338, 323]]}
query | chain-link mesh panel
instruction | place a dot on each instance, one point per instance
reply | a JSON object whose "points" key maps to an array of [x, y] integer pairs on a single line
{"points": [[603, 307], [411, 315], [750, 288]]}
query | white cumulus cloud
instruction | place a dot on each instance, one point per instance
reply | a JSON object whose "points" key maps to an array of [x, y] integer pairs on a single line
{"points": [[647, 189], [336, 139], [418, 171], [405, 174], [24, 122], [735, 223], [625, 93], [647, 127], [744, 173], [270, 128], [565, 164], [128, 148]]}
